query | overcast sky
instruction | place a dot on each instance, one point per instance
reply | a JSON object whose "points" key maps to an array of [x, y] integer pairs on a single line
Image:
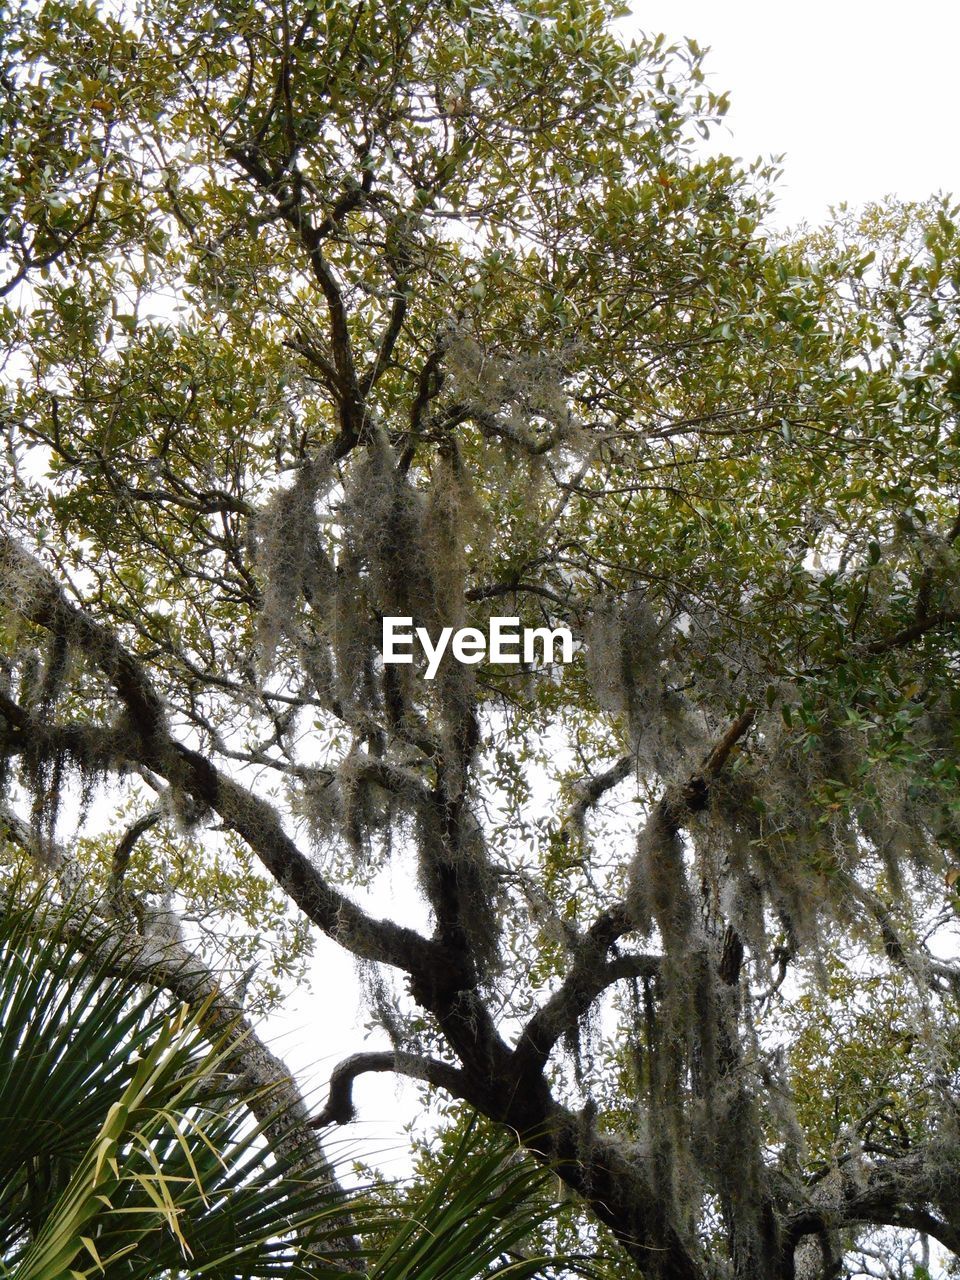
{"points": [[862, 96], [863, 99]]}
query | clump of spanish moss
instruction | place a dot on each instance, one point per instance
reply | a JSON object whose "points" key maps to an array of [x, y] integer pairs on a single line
{"points": [[407, 542], [383, 520], [524, 394], [186, 812], [456, 875], [347, 812], [47, 674], [351, 625], [79, 756], [291, 555], [630, 670], [383, 1002], [657, 888], [318, 800], [451, 520]]}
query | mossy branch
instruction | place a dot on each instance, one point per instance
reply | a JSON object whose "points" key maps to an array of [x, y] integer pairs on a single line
{"points": [[152, 746]]}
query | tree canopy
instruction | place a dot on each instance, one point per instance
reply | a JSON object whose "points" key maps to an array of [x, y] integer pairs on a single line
{"points": [[328, 311]]}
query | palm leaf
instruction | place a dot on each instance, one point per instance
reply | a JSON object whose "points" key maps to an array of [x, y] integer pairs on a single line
{"points": [[473, 1218], [122, 1150], [126, 1155]]}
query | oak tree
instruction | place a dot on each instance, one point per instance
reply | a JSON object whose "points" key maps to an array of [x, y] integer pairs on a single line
{"points": [[323, 311]]}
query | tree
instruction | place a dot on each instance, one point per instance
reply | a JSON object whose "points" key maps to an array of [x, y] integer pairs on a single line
{"points": [[321, 313]]}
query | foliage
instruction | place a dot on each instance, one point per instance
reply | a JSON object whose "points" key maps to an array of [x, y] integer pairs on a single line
{"points": [[128, 1149], [321, 312]]}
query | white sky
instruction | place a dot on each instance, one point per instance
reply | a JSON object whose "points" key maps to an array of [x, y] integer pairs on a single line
{"points": [[863, 98]]}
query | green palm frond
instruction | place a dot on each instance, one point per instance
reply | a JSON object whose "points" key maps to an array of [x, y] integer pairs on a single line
{"points": [[473, 1219], [124, 1151], [127, 1153]]}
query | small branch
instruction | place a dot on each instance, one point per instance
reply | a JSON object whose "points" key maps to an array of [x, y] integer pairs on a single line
{"points": [[781, 958], [721, 752], [121, 855], [496, 589], [587, 980], [291, 208], [429, 383], [315, 357], [916, 631], [694, 795], [589, 790], [387, 341]]}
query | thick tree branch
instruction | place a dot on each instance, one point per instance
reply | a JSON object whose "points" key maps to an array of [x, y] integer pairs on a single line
{"points": [[121, 855], [907, 1191], [38, 599], [339, 1107], [36, 595], [598, 1167]]}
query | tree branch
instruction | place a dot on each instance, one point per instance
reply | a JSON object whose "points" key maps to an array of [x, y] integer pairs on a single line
{"points": [[899, 1192], [35, 594], [287, 193], [916, 630], [339, 1107], [587, 791], [37, 597], [121, 855], [589, 977]]}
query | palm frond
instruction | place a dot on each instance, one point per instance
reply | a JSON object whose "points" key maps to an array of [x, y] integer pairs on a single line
{"points": [[127, 1152]]}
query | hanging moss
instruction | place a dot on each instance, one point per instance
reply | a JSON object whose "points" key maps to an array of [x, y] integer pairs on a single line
{"points": [[632, 676], [451, 520], [455, 872], [291, 557], [383, 518]]}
